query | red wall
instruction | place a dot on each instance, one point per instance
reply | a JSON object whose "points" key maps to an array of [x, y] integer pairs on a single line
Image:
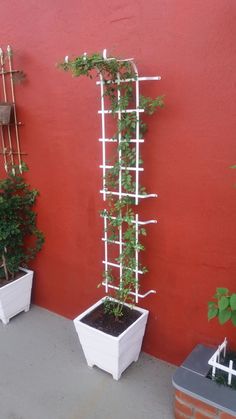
{"points": [[189, 149]]}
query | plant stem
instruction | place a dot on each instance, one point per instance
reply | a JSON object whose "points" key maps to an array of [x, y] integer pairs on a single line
{"points": [[5, 267]]}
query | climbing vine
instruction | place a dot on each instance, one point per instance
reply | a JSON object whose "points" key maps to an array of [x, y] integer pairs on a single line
{"points": [[120, 210]]}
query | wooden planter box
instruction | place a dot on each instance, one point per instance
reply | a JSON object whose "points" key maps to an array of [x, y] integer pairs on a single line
{"points": [[110, 353], [15, 296], [197, 396]]}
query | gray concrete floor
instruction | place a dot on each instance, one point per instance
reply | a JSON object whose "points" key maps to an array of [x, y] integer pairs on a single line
{"points": [[43, 375]]}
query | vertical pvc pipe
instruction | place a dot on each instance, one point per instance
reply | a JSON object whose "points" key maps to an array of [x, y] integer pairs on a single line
{"points": [[136, 178], [120, 252], [136, 259], [120, 176], [103, 138], [229, 374], [104, 177], [119, 135], [9, 53], [4, 149], [137, 133], [225, 346], [213, 372], [106, 252], [218, 355]]}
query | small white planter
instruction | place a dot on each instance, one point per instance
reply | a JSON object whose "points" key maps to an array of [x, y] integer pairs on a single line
{"points": [[111, 354], [15, 296]]}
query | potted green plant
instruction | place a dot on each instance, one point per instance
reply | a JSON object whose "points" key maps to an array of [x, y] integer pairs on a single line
{"points": [[111, 331], [206, 381], [196, 393], [223, 307], [20, 240]]}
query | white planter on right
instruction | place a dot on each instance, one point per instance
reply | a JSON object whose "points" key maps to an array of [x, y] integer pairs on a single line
{"points": [[16, 296], [110, 353]]}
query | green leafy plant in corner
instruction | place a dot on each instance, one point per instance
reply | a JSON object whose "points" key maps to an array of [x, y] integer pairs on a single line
{"points": [[119, 211], [20, 240], [223, 307]]}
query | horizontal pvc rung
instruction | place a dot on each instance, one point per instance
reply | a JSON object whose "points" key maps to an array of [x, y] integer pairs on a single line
{"points": [[122, 111], [130, 79], [134, 221], [140, 169], [10, 153], [13, 124], [119, 61], [131, 292], [124, 60], [8, 71], [222, 367], [112, 241], [129, 194], [146, 222], [110, 140], [115, 265]]}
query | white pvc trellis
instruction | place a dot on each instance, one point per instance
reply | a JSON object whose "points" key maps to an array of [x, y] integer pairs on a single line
{"points": [[137, 196], [215, 362], [10, 139]]}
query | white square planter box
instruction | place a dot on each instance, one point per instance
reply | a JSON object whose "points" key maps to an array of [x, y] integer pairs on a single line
{"points": [[15, 296], [110, 353]]}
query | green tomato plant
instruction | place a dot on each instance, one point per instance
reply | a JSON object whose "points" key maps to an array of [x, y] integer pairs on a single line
{"points": [[120, 211], [20, 240]]}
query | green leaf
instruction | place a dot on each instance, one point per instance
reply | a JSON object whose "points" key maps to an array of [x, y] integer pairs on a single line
{"points": [[233, 317], [233, 301], [224, 316], [212, 311], [223, 303], [221, 291]]}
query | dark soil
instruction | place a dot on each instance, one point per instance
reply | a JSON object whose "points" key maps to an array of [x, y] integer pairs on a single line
{"points": [[18, 275], [107, 323], [221, 377]]}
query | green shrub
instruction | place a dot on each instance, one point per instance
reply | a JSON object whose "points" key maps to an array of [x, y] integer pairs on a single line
{"points": [[20, 240], [224, 306]]}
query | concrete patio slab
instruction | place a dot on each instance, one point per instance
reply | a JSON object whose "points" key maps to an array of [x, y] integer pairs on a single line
{"points": [[44, 376]]}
